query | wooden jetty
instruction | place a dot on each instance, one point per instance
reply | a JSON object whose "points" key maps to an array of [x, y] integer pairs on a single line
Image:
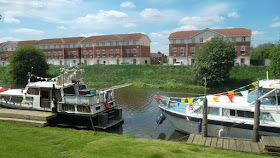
{"points": [[269, 144], [34, 118]]}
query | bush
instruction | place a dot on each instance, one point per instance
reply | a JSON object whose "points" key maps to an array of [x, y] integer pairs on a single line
{"points": [[214, 61], [23, 59], [275, 61]]}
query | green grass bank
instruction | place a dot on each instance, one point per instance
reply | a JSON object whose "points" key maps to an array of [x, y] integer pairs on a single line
{"points": [[17, 140], [158, 76]]}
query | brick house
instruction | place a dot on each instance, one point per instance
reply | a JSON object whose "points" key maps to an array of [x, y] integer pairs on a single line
{"points": [[157, 57], [183, 45]]}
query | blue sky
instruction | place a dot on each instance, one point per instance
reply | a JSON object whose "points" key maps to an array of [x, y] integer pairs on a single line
{"points": [[39, 19]]}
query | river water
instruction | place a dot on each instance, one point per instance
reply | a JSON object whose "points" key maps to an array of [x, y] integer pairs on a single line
{"points": [[140, 110]]}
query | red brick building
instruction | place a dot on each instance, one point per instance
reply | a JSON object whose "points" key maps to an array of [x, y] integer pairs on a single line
{"points": [[184, 44]]}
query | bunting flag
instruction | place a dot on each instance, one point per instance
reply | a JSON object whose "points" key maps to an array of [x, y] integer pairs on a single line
{"points": [[194, 99], [201, 99], [255, 84], [190, 100], [218, 95], [245, 94], [230, 97], [183, 101], [260, 89], [242, 89], [231, 92], [216, 98], [179, 101], [271, 84]]}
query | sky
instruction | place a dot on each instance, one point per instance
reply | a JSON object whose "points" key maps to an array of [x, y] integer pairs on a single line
{"points": [[41, 19]]}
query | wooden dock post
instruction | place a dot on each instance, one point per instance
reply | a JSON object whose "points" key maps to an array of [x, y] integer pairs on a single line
{"points": [[204, 121], [256, 121]]}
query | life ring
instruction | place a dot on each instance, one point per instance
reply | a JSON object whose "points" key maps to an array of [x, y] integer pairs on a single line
{"points": [[158, 98], [105, 104]]}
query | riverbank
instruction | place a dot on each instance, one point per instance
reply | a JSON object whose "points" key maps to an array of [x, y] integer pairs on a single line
{"points": [[156, 76], [19, 140]]}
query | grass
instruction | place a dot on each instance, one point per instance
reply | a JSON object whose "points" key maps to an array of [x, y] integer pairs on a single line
{"points": [[17, 140], [154, 76]]}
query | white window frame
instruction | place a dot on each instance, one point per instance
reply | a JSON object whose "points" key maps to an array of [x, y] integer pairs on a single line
{"points": [[103, 53], [193, 51], [243, 50], [201, 40], [98, 53], [174, 52], [182, 50], [233, 39], [117, 52], [111, 53], [193, 40]]}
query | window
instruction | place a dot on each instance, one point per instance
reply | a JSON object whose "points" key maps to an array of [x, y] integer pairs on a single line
{"points": [[74, 54], [117, 53], [97, 43], [201, 40], [193, 40], [127, 42], [127, 52], [222, 38], [43, 47], [174, 41], [233, 39], [111, 53], [247, 114], [12, 48], [59, 46], [111, 43], [182, 40], [90, 53], [54, 46], [193, 51], [60, 54], [6, 48], [243, 38], [49, 55], [134, 42], [98, 53], [55, 55], [7, 57], [213, 111], [74, 45], [49, 46], [266, 117], [103, 53], [103, 43], [174, 52], [117, 43], [3, 57], [134, 52], [182, 51], [69, 54], [90, 44], [33, 91], [242, 52], [85, 45], [85, 54], [68, 45]]}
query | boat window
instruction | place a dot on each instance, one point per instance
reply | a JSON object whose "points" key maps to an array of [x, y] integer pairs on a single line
{"points": [[81, 108], [269, 98], [199, 110], [226, 112], [232, 112], [82, 86], [67, 107], [278, 96], [247, 114], [58, 94], [33, 91], [213, 111], [69, 90], [45, 94], [266, 116]]}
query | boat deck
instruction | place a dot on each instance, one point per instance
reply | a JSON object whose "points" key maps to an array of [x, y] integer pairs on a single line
{"points": [[268, 144]]}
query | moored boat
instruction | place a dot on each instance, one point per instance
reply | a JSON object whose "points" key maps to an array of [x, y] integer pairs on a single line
{"points": [[76, 105], [230, 114]]}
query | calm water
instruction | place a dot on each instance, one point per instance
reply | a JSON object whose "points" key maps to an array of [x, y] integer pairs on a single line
{"points": [[140, 111]]}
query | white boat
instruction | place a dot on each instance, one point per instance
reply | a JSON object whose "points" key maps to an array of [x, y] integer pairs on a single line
{"points": [[75, 104], [230, 114]]}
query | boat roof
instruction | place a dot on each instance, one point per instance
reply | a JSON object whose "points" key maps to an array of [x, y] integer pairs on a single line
{"points": [[273, 83], [47, 84], [13, 92]]}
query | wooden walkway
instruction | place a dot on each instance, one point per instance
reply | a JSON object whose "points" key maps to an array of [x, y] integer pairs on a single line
{"points": [[34, 118], [227, 143]]}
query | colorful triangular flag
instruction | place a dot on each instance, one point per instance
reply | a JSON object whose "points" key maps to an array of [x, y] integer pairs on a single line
{"points": [[190, 100], [231, 92], [255, 84], [230, 97], [242, 89], [245, 94], [216, 98], [183, 101]]}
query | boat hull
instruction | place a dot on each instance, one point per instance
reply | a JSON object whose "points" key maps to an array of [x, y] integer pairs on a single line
{"points": [[188, 125]]}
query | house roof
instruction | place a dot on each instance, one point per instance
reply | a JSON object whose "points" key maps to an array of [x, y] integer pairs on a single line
{"points": [[226, 32], [128, 36], [50, 41], [23, 43], [156, 55], [72, 39]]}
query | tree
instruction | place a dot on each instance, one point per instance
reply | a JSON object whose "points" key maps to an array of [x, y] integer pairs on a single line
{"points": [[214, 61], [262, 51], [275, 60], [23, 59]]}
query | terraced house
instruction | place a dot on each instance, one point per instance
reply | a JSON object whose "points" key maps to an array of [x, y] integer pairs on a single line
{"points": [[132, 48], [183, 45]]}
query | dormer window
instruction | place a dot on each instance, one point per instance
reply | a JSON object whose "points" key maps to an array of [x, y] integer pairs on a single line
{"points": [[174, 41], [243, 38]]}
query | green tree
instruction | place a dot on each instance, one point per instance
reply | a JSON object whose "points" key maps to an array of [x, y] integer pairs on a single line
{"points": [[262, 51], [275, 60], [23, 59], [214, 61]]}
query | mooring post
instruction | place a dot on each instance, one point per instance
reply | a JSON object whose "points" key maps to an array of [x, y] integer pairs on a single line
{"points": [[205, 112], [54, 100], [256, 121]]}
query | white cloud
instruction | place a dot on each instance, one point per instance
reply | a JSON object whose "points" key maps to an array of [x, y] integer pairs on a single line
{"points": [[150, 13], [28, 31], [201, 20], [258, 33], [130, 25], [127, 4], [5, 39], [61, 28], [233, 15], [277, 24], [103, 19], [9, 16], [276, 18]]}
